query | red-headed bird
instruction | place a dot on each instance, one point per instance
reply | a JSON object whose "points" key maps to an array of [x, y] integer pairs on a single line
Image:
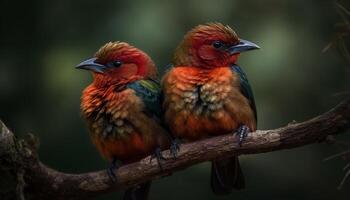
{"points": [[207, 94], [121, 107]]}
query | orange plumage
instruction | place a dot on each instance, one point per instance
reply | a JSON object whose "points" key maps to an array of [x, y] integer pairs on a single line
{"points": [[121, 107], [135, 135], [226, 109], [117, 116], [207, 94]]}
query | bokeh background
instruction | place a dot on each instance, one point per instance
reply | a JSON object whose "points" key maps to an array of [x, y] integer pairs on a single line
{"points": [[41, 42]]}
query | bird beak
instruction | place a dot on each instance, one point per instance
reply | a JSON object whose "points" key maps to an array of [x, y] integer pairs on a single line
{"points": [[92, 65], [242, 46]]}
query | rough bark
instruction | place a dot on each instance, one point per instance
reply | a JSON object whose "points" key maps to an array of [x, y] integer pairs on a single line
{"points": [[20, 166]]}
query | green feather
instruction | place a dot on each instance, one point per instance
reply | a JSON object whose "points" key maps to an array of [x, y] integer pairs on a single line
{"points": [[246, 89], [149, 91], [150, 85]]}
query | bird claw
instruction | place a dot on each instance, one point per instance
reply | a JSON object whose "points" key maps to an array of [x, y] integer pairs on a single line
{"points": [[159, 156], [111, 171], [111, 175], [175, 147], [242, 133]]}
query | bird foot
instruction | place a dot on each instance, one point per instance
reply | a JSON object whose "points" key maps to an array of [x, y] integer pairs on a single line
{"points": [[159, 156], [175, 147], [111, 170], [242, 133]]}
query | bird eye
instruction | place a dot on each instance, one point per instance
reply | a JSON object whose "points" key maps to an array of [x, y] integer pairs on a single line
{"points": [[217, 44], [117, 63]]}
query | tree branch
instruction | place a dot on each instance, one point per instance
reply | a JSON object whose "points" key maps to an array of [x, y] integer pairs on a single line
{"points": [[37, 181]]}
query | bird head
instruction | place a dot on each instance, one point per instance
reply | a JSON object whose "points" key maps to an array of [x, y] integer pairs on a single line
{"points": [[119, 61], [211, 45]]}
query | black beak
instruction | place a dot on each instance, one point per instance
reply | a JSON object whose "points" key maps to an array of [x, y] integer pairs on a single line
{"points": [[90, 64], [242, 46]]}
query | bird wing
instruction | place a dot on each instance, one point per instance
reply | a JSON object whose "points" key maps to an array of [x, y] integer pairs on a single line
{"points": [[245, 87], [149, 91]]}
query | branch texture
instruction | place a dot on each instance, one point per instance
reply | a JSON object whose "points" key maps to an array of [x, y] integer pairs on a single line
{"points": [[34, 180]]}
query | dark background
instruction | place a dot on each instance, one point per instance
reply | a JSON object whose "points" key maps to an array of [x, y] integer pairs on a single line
{"points": [[41, 42]]}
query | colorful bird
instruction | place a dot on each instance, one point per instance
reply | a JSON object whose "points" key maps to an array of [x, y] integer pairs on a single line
{"points": [[207, 94], [122, 108]]}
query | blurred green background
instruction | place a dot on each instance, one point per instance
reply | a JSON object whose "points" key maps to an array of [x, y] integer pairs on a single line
{"points": [[41, 42]]}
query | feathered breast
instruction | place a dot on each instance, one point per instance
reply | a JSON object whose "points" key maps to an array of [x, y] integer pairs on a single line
{"points": [[200, 102], [107, 111], [119, 124]]}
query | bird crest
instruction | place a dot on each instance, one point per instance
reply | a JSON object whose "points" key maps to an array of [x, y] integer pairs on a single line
{"points": [[211, 30], [113, 50]]}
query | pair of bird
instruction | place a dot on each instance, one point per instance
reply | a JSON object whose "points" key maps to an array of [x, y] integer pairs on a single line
{"points": [[130, 115]]}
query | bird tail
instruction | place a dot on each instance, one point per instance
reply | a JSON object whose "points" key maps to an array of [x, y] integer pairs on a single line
{"points": [[226, 175], [138, 192]]}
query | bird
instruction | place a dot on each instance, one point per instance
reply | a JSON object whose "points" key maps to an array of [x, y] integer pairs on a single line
{"points": [[122, 108], [205, 94]]}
